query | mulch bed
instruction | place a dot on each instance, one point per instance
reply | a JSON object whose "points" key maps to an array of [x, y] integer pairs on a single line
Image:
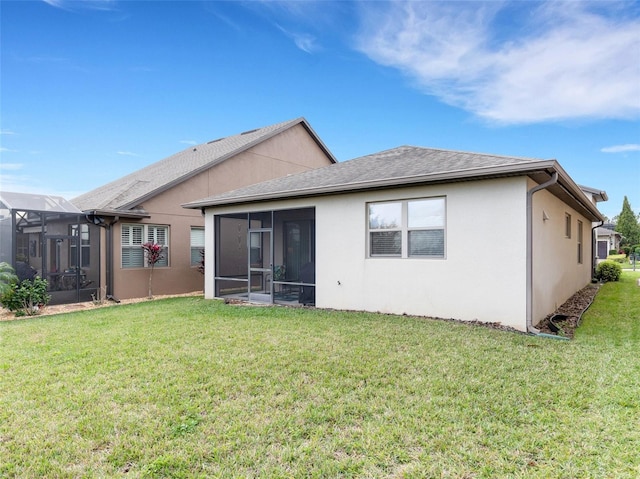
{"points": [[571, 312]]}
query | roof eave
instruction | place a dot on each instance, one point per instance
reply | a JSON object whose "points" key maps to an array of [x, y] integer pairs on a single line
{"points": [[119, 213], [546, 167], [445, 177]]}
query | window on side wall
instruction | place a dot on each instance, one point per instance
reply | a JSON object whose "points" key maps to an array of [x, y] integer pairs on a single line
{"points": [[567, 225], [197, 245], [407, 228], [580, 252], [132, 239]]}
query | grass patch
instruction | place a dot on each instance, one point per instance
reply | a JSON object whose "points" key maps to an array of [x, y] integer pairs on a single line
{"points": [[193, 388]]}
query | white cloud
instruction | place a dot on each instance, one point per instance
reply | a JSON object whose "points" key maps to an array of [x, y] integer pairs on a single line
{"points": [[7, 132], [127, 153], [521, 62], [11, 166], [189, 142], [106, 5], [621, 148], [7, 150], [304, 41]]}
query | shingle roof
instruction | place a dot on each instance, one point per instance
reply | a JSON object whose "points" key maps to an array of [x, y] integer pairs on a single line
{"points": [[402, 165], [600, 231], [130, 190]]}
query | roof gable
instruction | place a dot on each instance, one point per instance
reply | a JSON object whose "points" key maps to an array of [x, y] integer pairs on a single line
{"points": [[131, 190]]}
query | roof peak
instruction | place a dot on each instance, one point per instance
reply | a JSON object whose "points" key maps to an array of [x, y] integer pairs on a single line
{"points": [[134, 188]]}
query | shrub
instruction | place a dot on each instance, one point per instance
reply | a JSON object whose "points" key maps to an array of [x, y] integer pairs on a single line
{"points": [[27, 297], [7, 278], [608, 271], [613, 251], [618, 258], [625, 250]]}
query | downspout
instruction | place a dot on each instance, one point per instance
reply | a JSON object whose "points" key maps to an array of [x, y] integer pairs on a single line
{"points": [[530, 193], [594, 249]]}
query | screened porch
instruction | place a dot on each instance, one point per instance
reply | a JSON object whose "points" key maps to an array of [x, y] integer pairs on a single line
{"points": [[266, 256], [48, 237]]}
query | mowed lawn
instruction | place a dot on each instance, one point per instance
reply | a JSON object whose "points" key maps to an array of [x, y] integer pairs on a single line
{"points": [[186, 387]]}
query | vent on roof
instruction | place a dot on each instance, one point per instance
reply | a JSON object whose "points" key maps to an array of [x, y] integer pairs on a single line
{"points": [[213, 141], [250, 131]]}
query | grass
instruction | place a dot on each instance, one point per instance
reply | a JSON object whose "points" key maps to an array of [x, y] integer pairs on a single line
{"points": [[192, 388]]}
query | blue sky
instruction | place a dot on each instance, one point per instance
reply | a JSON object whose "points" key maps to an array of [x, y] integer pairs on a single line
{"points": [[93, 90]]}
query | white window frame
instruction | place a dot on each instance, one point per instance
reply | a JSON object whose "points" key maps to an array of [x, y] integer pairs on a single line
{"points": [[567, 225], [580, 243], [148, 233], [406, 230], [196, 242]]}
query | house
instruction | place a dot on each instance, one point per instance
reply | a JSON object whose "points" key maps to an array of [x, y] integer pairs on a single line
{"points": [[606, 240], [410, 230], [144, 206]]}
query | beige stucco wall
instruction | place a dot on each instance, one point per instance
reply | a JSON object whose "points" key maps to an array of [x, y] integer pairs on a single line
{"points": [[291, 151], [557, 275], [482, 277]]}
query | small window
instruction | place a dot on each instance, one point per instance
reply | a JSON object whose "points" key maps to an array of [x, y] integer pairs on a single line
{"points": [[132, 239], [580, 253], [197, 245], [567, 225], [410, 228]]}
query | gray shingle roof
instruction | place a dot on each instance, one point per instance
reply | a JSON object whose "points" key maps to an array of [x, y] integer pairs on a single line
{"points": [[398, 166], [130, 190], [600, 231]]}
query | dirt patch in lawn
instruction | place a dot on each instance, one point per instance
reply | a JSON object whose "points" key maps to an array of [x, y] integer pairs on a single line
{"points": [[566, 319], [6, 315]]}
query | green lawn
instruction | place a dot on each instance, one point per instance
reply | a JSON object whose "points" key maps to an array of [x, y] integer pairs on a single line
{"points": [[192, 388]]}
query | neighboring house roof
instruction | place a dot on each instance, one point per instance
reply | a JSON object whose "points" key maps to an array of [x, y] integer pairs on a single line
{"points": [[131, 190], [597, 194], [404, 166], [30, 202], [600, 231]]}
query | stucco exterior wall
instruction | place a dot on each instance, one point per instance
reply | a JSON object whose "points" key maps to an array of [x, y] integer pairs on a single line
{"points": [[482, 277], [557, 275], [291, 151]]}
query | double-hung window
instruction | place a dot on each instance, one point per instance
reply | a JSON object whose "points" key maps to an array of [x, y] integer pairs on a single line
{"points": [[197, 245], [134, 236], [407, 228]]}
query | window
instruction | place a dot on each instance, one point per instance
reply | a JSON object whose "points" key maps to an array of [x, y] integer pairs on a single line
{"points": [[197, 245], [567, 225], [579, 242], [134, 236], [409, 228], [81, 232]]}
